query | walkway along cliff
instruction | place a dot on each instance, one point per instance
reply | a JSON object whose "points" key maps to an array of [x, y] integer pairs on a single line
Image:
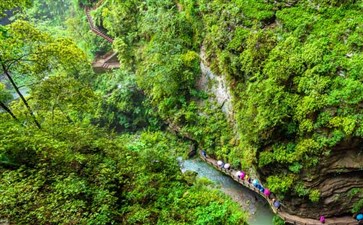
{"points": [[288, 218], [340, 166], [109, 60]]}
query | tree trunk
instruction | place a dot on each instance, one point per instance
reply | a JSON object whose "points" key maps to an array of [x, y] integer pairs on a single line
{"points": [[20, 95], [8, 110]]}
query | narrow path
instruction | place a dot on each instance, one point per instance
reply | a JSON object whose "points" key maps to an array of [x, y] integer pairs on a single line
{"points": [[108, 61], [288, 218], [94, 28]]}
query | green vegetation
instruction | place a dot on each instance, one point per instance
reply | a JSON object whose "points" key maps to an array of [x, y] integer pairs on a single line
{"points": [[61, 160], [314, 196], [294, 66], [81, 147], [296, 72], [11, 5], [80, 174], [356, 193], [278, 221]]}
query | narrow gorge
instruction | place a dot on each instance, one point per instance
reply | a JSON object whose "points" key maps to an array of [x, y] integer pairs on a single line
{"points": [[116, 91]]}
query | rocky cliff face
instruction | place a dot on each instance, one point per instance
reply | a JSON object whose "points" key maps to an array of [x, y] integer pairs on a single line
{"points": [[216, 86], [336, 177]]}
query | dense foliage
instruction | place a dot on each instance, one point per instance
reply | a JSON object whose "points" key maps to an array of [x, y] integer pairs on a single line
{"points": [[75, 174], [60, 163], [295, 69], [13, 5], [160, 42], [295, 72]]}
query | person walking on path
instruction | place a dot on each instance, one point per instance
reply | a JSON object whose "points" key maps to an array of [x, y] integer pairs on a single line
{"points": [[220, 163], [204, 154], [322, 219]]}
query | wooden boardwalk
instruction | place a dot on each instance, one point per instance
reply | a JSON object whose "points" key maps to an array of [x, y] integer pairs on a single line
{"points": [[288, 218], [94, 28], [109, 61]]}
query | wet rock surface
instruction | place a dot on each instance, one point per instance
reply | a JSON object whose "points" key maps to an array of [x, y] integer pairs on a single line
{"points": [[336, 176]]}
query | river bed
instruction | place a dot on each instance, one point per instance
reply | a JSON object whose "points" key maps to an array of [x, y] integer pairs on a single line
{"points": [[259, 210]]}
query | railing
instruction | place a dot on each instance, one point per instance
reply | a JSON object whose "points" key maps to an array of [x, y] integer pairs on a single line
{"points": [[95, 29], [288, 218], [98, 4], [103, 63], [245, 183]]}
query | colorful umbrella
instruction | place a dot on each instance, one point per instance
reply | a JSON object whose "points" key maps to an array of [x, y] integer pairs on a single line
{"points": [[243, 175], [238, 174], [277, 204], [267, 192], [322, 219], [359, 217]]}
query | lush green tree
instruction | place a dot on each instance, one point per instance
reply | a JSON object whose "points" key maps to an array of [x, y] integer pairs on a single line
{"points": [[161, 54], [83, 175], [64, 99], [4, 97], [30, 53], [71, 171], [294, 68], [50, 12], [13, 4], [124, 106]]}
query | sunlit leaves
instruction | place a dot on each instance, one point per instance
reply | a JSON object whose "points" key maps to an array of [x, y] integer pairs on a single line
{"points": [[4, 94], [13, 4], [314, 195], [69, 97], [28, 51], [298, 70], [280, 183]]}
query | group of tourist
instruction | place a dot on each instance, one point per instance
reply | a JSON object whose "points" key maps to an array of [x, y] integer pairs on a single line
{"points": [[357, 216], [241, 175]]}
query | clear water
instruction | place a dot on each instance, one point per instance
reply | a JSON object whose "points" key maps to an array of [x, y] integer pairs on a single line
{"points": [[260, 212]]}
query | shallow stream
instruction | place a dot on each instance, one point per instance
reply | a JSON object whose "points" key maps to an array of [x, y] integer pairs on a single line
{"points": [[260, 212]]}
